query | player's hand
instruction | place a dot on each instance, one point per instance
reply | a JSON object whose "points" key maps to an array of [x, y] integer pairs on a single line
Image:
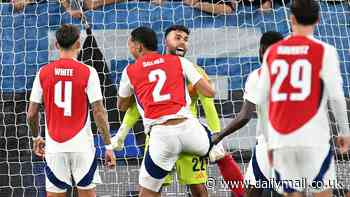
{"points": [[117, 142], [215, 138], [217, 152], [190, 2], [343, 143], [75, 13], [110, 160], [270, 157], [157, 2], [39, 147]]}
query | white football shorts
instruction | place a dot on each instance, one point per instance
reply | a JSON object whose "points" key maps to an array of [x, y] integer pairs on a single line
{"points": [[259, 170], [299, 168], [62, 167], [166, 142]]}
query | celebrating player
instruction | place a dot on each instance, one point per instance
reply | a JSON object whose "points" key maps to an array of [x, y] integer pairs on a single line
{"points": [[258, 169], [191, 169], [158, 82], [299, 75], [66, 87]]}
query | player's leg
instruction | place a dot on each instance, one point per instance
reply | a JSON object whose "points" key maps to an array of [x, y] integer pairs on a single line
{"points": [[250, 178], [199, 190], [87, 192], [313, 164], [192, 171], [53, 194], [163, 150], [231, 173], [320, 170], [327, 193], [258, 173], [147, 192], [195, 139], [229, 169], [84, 170], [200, 147], [287, 171], [169, 178], [295, 194], [58, 178], [252, 191], [151, 177]]}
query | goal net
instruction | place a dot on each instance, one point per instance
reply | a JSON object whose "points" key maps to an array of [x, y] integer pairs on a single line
{"points": [[226, 46]]}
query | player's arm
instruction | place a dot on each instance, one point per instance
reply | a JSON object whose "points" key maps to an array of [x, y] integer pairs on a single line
{"points": [[334, 87], [238, 122], [125, 93], [246, 112], [204, 88], [34, 104], [100, 115], [123, 103], [99, 112], [101, 118], [199, 83], [211, 115], [130, 118], [33, 116]]}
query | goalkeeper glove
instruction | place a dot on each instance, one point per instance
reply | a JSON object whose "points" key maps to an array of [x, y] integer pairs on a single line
{"points": [[217, 152], [119, 138]]}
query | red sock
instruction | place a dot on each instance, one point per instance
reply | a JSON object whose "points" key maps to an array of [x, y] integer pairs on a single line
{"points": [[231, 173]]}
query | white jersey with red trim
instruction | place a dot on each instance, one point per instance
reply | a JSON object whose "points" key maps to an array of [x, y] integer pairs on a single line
{"points": [[299, 74], [251, 94], [158, 83], [66, 87]]}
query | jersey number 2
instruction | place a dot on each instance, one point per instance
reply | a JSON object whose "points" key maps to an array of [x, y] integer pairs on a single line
{"points": [[66, 104], [161, 76], [300, 77]]}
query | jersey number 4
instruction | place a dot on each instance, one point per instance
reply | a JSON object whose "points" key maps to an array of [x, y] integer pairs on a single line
{"points": [[161, 76], [300, 78], [66, 104]]}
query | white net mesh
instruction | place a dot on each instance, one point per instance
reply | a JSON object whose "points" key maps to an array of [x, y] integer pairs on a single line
{"points": [[225, 46]]}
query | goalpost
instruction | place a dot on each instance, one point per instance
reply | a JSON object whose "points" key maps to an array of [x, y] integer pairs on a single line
{"points": [[225, 46]]}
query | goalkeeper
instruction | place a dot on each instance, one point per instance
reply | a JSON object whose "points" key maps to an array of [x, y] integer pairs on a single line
{"points": [[192, 170]]}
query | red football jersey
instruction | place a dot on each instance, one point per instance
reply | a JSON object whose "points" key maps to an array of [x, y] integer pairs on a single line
{"points": [[159, 84], [299, 74], [294, 65], [64, 86]]}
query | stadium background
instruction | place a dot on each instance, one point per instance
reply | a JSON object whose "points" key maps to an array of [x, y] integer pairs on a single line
{"points": [[225, 46]]}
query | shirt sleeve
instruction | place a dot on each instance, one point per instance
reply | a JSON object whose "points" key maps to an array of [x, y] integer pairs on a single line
{"points": [[131, 116], [263, 83], [36, 95], [211, 115], [93, 89], [251, 90], [125, 89], [333, 81], [190, 71]]}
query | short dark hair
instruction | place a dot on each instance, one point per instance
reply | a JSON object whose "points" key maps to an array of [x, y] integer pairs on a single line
{"points": [[270, 37], [177, 28], [306, 12], [67, 35], [146, 36], [267, 39]]}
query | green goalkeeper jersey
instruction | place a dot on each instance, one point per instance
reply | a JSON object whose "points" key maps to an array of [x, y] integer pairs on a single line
{"points": [[211, 115]]}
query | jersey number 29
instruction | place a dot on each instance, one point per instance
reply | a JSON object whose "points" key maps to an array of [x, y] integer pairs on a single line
{"points": [[300, 77]]}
